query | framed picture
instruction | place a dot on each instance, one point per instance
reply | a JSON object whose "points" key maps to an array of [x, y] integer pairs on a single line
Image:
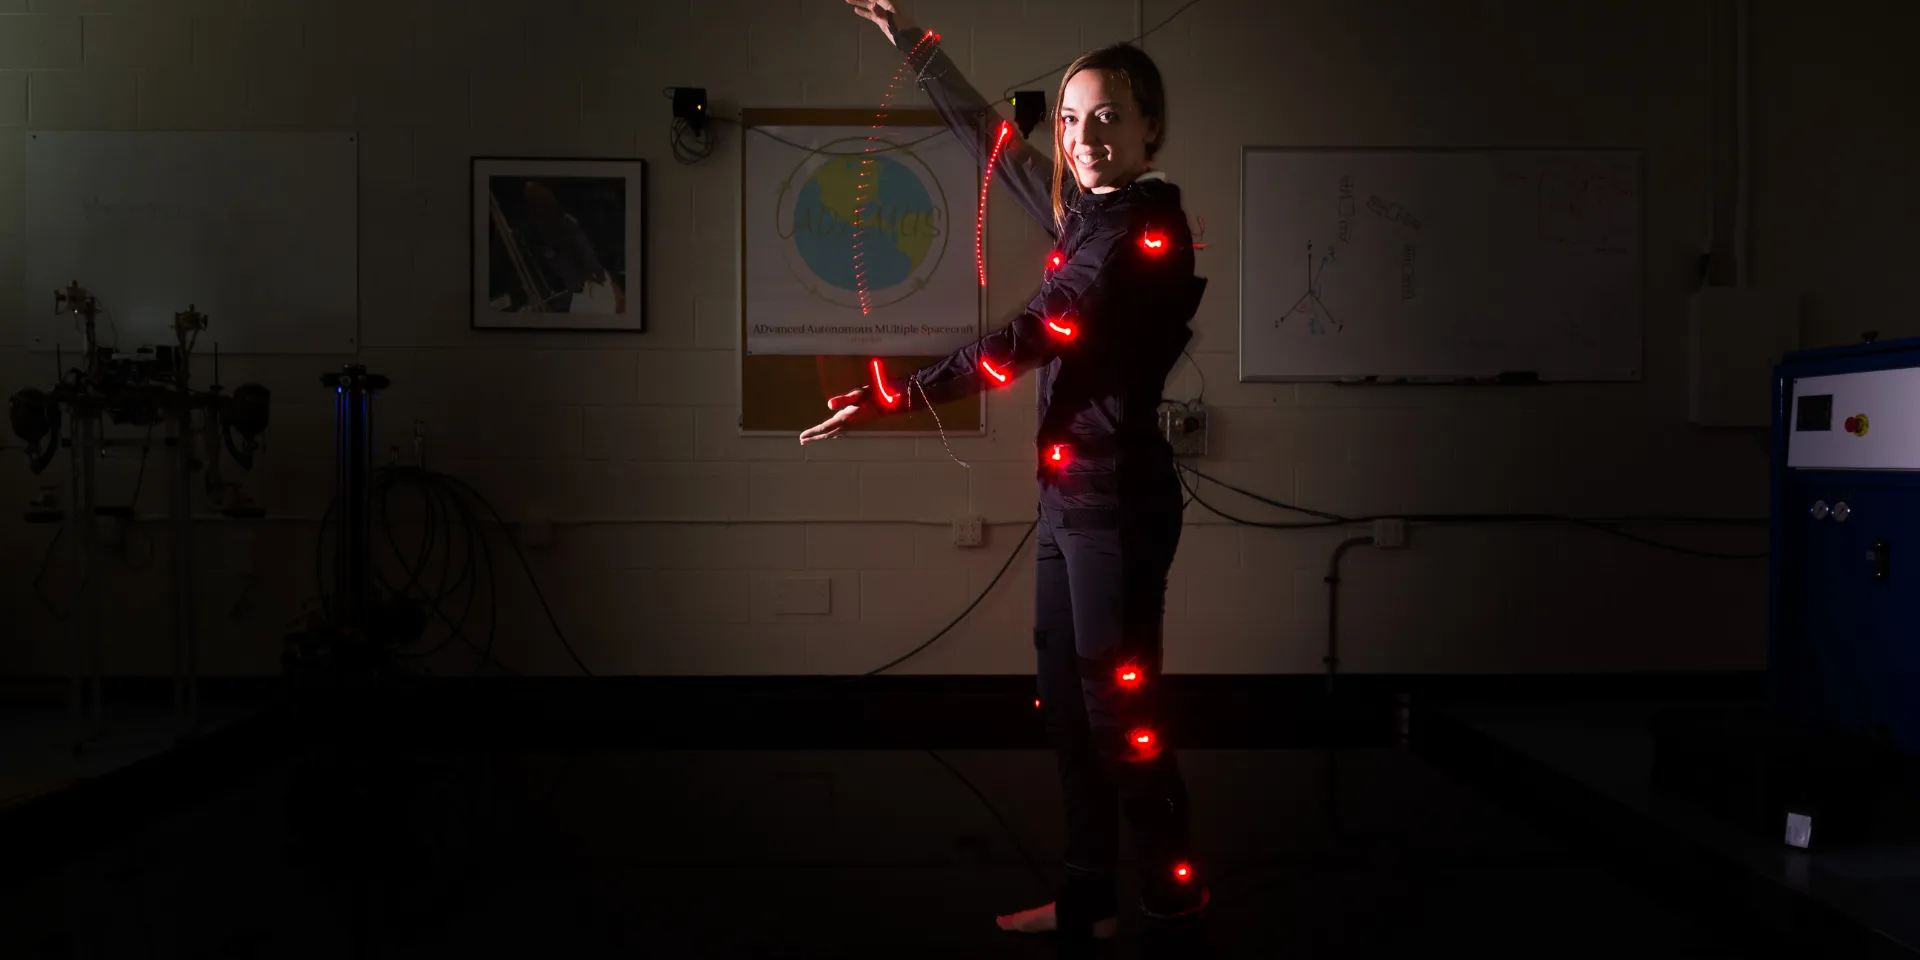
{"points": [[558, 243]]}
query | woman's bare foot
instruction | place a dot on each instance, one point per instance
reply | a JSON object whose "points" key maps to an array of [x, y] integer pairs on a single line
{"points": [[1041, 920]]}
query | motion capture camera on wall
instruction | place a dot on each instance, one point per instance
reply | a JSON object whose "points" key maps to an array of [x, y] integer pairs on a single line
{"points": [[1029, 108], [690, 105]]}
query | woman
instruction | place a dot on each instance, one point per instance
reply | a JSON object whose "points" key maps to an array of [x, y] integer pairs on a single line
{"points": [[1106, 328]]}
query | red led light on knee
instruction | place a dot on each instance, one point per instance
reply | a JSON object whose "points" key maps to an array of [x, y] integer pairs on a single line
{"points": [[991, 372], [1131, 675]]}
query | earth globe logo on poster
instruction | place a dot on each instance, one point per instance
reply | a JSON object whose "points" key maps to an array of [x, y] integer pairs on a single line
{"points": [[850, 217]]}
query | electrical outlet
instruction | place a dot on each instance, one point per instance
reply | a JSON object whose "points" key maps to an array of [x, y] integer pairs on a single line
{"points": [[1389, 533], [968, 531], [1185, 427]]}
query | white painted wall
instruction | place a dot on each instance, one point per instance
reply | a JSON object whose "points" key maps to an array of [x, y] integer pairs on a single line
{"points": [[638, 429]]}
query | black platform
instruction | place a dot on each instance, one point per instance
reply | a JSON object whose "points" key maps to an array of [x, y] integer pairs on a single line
{"points": [[1591, 769]]}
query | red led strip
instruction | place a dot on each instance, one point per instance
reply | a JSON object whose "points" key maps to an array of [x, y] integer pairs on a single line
{"points": [[980, 224], [880, 384], [1153, 241], [988, 367], [862, 190], [1063, 329]]}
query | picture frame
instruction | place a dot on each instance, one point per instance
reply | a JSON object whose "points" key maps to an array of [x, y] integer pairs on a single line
{"points": [[557, 244]]}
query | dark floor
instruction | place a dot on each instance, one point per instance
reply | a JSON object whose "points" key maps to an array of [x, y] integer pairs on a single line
{"points": [[700, 853]]}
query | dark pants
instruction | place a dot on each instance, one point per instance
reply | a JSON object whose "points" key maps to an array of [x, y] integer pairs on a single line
{"points": [[1101, 582]]}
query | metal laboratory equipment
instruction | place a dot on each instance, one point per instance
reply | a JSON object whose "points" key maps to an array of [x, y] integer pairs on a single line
{"points": [[1844, 650], [146, 389]]}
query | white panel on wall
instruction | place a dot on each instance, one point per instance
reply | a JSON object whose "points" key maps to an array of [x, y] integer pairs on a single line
{"points": [[1415, 264], [258, 231]]}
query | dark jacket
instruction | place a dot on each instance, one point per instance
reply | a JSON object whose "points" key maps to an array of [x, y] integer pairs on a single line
{"points": [[1108, 325]]}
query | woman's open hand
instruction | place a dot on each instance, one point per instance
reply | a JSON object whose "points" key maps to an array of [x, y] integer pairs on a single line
{"points": [[885, 13], [848, 408]]}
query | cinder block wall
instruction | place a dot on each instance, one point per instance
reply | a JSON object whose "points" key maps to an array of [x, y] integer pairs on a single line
{"points": [[682, 532]]}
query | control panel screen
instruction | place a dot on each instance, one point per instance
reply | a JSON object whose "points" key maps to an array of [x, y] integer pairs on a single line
{"points": [[1814, 413]]}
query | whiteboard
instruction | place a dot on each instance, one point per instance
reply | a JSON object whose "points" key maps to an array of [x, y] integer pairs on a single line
{"points": [[258, 231], [1412, 264]]}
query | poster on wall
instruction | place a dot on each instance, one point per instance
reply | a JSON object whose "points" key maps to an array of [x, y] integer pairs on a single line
{"points": [[858, 240], [558, 244]]}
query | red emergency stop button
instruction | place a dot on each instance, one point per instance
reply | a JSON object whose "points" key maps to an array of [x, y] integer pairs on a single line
{"points": [[1856, 425]]}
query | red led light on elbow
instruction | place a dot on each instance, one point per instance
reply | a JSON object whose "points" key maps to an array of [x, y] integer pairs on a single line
{"points": [[991, 372], [1063, 329], [880, 386]]}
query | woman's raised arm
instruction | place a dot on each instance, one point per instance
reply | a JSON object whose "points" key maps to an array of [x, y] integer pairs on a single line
{"points": [[1024, 171]]}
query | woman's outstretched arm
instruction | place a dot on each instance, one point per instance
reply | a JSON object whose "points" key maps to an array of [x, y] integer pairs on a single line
{"points": [[1024, 170]]}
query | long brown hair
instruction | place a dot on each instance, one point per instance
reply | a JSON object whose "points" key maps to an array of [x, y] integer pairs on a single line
{"points": [[1131, 64]]}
